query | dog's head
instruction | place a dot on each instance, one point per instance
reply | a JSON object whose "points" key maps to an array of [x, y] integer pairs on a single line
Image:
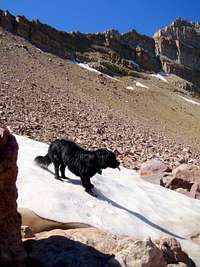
{"points": [[107, 159]]}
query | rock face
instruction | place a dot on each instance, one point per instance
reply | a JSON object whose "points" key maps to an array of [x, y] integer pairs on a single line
{"points": [[92, 247], [179, 47], [11, 249], [109, 46], [175, 49], [185, 179]]}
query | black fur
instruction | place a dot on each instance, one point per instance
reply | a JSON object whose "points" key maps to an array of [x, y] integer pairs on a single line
{"points": [[81, 162]]}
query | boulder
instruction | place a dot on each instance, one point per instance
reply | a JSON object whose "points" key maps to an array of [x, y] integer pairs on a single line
{"points": [[173, 252], [152, 170], [11, 249], [185, 179]]}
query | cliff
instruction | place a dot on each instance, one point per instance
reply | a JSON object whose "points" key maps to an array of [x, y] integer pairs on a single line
{"points": [[109, 47], [175, 49], [179, 48]]}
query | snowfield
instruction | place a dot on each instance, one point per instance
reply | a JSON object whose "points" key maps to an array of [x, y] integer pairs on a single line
{"points": [[87, 67], [190, 100], [126, 204], [161, 76]]}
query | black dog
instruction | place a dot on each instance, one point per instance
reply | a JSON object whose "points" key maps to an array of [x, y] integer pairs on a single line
{"points": [[81, 162]]}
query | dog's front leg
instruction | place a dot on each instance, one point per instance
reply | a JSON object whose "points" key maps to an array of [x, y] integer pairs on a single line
{"points": [[87, 186], [89, 183], [83, 181]]}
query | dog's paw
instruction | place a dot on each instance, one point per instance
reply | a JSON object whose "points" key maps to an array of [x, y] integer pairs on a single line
{"points": [[99, 172], [91, 193], [65, 178], [58, 178], [91, 186]]}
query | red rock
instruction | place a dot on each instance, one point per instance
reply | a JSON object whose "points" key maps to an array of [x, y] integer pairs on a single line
{"points": [[186, 179], [11, 249]]}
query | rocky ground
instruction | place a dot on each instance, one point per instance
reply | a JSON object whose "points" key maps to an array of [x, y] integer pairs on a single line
{"points": [[44, 97], [98, 248]]}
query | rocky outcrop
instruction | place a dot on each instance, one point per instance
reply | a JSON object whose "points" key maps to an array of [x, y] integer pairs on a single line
{"points": [[152, 167], [135, 39], [93, 247], [179, 48], [173, 253], [184, 179], [109, 46], [11, 250]]}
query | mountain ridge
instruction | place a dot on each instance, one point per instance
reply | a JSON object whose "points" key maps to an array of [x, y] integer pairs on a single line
{"points": [[173, 49]]}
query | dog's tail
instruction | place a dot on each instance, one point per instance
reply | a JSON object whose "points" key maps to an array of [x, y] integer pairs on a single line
{"points": [[43, 161]]}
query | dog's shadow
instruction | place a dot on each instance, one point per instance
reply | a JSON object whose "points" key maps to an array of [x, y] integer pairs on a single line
{"points": [[102, 197], [66, 179], [71, 181]]}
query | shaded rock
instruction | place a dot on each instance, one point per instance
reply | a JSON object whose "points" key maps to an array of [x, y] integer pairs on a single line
{"points": [[98, 248], [173, 252], [92, 247], [146, 60], [26, 232], [185, 179], [11, 249], [23, 27], [133, 38], [7, 20]]}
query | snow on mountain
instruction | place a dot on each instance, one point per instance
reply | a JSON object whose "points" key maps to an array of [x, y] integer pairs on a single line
{"points": [[160, 76], [190, 101], [126, 204]]}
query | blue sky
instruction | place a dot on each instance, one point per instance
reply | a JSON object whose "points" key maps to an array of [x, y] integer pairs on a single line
{"points": [[145, 16]]}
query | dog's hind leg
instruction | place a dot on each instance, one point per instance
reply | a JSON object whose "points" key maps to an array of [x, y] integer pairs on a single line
{"points": [[62, 170], [56, 166]]}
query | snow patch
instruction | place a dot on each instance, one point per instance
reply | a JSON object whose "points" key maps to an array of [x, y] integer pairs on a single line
{"points": [[161, 76], [134, 63], [130, 88], [138, 84], [126, 204], [190, 100], [87, 67]]}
